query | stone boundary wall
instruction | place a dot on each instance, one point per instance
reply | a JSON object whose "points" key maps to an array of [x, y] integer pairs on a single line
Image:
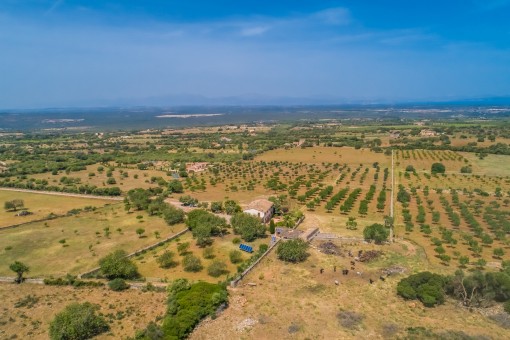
{"points": [[139, 251], [234, 282]]}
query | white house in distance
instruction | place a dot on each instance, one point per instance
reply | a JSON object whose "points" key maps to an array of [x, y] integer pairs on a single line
{"points": [[261, 208], [196, 167]]}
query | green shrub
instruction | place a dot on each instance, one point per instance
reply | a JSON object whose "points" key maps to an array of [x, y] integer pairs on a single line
{"points": [[182, 248], [438, 168], [71, 280], [292, 251], [118, 285], [166, 260], [151, 332], [217, 268], [188, 304], [173, 215], [236, 256], [78, 321], [466, 170], [192, 263]]}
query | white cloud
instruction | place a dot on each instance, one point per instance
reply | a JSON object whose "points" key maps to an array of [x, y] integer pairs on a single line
{"points": [[254, 31], [334, 16], [56, 4], [402, 37]]}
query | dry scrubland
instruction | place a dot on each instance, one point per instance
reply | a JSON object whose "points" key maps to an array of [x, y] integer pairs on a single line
{"points": [[126, 311], [124, 178], [40, 245], [297, 302]]}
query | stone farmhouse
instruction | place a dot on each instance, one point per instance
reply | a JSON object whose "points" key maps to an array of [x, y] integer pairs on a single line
{"points": [[261, 208]]}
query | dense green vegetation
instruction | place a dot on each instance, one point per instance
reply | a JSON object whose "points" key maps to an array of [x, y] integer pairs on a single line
{"points": [[478, 289], [190, 303], [78, 321], [248, 226], [376, 232], [204, 225], [117, 265], [425, 286], [118, 285], [293, 251]]}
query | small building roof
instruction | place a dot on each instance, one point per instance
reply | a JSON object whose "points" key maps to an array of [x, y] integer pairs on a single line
{"points": [[260, 205]]}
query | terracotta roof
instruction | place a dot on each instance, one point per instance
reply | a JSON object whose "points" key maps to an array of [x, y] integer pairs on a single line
{"points": [[260, 205]]}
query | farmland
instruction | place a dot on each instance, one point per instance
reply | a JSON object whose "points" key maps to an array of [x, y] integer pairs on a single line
{"points": [[451, 203], [40, 206], [74, 244]]}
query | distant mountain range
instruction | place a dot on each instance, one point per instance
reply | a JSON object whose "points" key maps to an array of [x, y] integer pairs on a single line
{"points": [[180, 100], [255, 99]]}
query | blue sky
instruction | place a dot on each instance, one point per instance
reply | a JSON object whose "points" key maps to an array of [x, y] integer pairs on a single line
{"points": [[88, 53]]}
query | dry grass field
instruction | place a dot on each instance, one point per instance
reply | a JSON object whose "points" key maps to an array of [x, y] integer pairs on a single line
{"points": [[74, 244], [125, 311], [295, 301], [41, 205], [320, 154], [491, 165]]}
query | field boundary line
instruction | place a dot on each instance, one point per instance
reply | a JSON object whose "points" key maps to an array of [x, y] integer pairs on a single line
{"points": [[65, 194], [12, 226]]}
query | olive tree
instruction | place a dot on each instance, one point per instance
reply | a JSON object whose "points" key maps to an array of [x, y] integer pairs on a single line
{"points": [[117, 265], [376, 232], [19, 268]]}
